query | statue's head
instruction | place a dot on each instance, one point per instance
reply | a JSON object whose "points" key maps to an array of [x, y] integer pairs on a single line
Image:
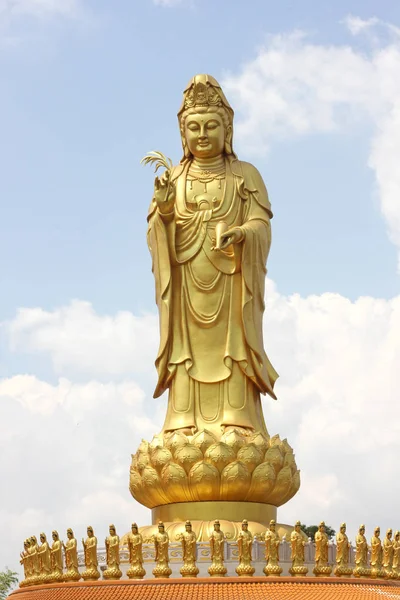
{"points": [[54, 535], [217, 525], [161, 527], [397, 535], [134, 528], [272, 524], [111, 529], [377, 531], [188, 526], [43, 538], [90, 531], [343, 528], [70, 533], [33, 540], [321, 526], [245, 525], [297, 526], [389, 533], [205, 119], [27, 543], [361, 529]]}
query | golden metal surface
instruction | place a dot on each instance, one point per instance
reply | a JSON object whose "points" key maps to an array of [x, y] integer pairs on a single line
{"points": [[57, 562], [135, 543], [71, 558], [272, 543], [396, 556], [297, 543], [188, 541], [361, 569], [376, 555], [321, 568], [161, 544], [112, 555], [342, 568], [387, 555], [217, 548], [91, 572], [245, 544], [207, 511]]}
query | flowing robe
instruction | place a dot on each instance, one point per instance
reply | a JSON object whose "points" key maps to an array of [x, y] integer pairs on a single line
{"points": [[211, 304], [342, 549], [112, 550], [321, 548], [272, 543], [361, 551], [90, 547], [135, 542]]}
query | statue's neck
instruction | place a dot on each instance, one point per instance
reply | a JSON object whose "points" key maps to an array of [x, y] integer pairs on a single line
{"points": [[207, 163]]}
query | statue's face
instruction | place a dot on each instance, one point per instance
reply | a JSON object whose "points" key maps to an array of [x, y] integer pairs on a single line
{"points": [[389, 534], [112, 531], [188, 527], [134, 529], [343, 529], [42, 539], [272, 527], [297, 528], [54, 536], [217, 526], [245, 526], [90, 532], [69, 535], [362, 530], [205, 134]]}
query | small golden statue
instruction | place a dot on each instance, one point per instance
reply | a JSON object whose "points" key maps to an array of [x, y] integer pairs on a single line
{"points": [[71, 557], [26, 562], [161, 544], [57, 563], [245, 545], [342, 568], [188, 541], [135, 542], [396, 556], [388, 551], [91, 572], [112, 555], [376, 555], [361, 569], [44, 555], [217, 544], [272, 543], [321, 568], [298, 568], [34, 561]]}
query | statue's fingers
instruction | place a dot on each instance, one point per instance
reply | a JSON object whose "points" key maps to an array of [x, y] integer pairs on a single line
{"points": [[157, 183]]}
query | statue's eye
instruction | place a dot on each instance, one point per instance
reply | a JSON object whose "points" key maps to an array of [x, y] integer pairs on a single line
{"points": [[193, 126], [212, 125]]}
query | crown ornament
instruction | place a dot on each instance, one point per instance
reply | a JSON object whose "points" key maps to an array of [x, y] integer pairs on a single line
{"points": [[204, 91]]}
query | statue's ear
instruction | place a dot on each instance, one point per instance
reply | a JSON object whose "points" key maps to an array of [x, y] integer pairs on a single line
{"points": [[228, 139]]}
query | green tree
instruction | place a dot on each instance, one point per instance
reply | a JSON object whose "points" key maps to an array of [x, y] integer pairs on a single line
{"points": [[311, 530], [8, 579]]}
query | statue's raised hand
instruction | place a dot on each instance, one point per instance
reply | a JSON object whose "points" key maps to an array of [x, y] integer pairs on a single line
{"points": [[164, 193]]}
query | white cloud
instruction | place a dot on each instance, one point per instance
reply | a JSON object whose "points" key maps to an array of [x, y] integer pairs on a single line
{"points": [[168, 3], [80, 341], [295, 88], [39, 8]]}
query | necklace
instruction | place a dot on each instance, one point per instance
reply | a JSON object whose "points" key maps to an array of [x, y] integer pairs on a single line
{"points": [[206, 174]]}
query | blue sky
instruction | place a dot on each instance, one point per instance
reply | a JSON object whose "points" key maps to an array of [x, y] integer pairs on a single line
{"points": [[86, 89]]}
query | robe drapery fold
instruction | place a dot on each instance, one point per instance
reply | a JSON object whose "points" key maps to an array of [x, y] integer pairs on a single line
{"points": [[211, 303]]}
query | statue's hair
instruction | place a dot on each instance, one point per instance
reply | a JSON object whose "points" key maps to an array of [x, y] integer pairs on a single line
{"points": [[227, 120]]}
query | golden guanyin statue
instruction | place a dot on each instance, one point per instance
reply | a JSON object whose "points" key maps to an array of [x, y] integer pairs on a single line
{"points": [[34, 561], [44, 555], [387, 554], [209, 236], [396, 556], [217, 547], [135, 543], [161, 546], [57, 563], [91, 572], [245, 545], [71, 557], [112, 555], [297, 543], [361, 569], [376, 555], [342, 568], [188, 541], [321, 568], [26, 564], [272, 543]]}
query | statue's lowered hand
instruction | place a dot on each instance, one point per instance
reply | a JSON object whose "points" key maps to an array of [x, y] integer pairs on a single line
{"points": [[232, 236]]}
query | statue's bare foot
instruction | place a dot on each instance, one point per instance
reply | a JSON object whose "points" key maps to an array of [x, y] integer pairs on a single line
{"points": [[185, 430], [243, 430]]}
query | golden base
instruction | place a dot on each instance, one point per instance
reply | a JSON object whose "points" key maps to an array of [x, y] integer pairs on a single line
{"points": [[209, 511]]}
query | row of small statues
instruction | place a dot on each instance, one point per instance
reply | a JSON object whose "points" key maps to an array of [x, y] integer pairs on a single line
{"points": [[44, 564]]}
